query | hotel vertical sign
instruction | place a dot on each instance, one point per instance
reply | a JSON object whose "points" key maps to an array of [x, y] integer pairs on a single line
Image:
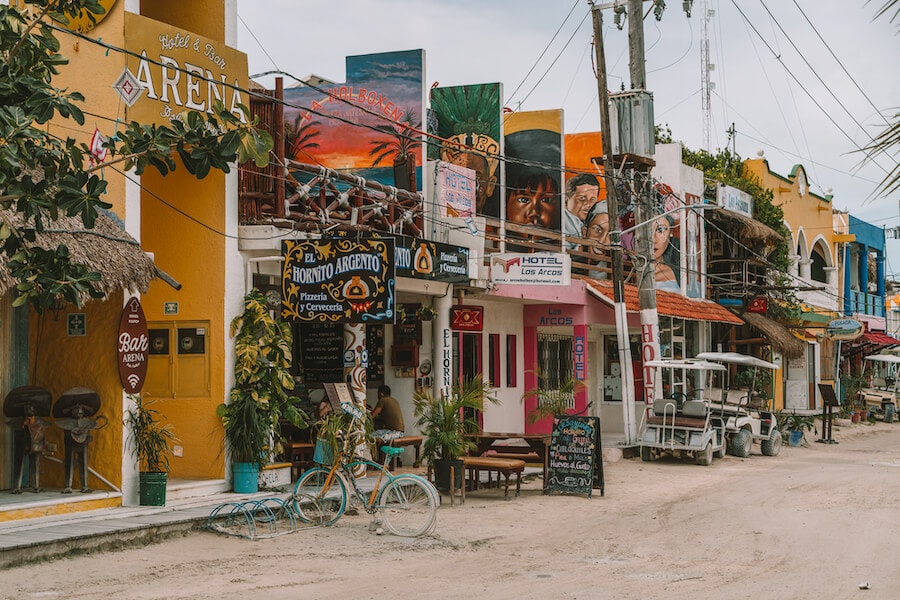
{"points": [[338, 280]]}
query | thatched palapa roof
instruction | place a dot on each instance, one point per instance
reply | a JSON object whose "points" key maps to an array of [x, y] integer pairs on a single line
{"points": [[107, 249], [750, 228], [778, 335]]}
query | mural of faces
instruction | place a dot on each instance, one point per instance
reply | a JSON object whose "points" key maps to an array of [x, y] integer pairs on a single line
{"points": [[582, 197], [536, 202]]}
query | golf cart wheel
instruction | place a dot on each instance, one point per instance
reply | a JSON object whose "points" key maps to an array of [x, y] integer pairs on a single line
{"points": [[704, 458], [721, 452], [772, 446], [646, 454], [889, 413], [741, 443]]}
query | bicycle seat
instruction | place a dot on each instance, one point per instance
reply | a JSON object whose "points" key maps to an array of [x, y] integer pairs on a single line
{"points": [[391, 451]]}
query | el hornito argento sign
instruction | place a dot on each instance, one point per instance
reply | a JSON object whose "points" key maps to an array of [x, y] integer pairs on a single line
{"points": [[422, 259], [338, 280]]}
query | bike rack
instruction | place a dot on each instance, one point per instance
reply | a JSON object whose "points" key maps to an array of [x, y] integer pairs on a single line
{"points": [[275, 516]]}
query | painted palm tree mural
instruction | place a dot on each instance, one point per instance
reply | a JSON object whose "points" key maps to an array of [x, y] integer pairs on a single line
{"points": [[402, 140], [299, 138]]}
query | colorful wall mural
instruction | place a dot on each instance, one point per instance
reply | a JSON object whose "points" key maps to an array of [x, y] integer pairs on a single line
{"points": [[362, 125], [533, 144], [467, 118], [585, 212]]}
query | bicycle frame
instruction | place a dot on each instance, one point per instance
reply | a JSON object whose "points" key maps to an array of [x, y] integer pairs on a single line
{"points": [[342, 468]]}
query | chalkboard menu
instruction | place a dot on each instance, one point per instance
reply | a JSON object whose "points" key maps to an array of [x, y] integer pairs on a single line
{"points": [[575, 466], [322, 350]]}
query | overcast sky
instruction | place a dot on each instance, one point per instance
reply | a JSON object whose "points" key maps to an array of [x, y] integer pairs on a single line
{"points": [[541, 52]]}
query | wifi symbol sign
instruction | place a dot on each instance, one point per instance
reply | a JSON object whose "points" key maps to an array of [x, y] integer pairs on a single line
{"points": [[133, 381]]}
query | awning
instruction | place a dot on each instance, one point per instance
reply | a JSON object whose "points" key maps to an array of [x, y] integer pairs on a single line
{"points": [[669, 304], [880, 339], [778, 335], [107, 249]]}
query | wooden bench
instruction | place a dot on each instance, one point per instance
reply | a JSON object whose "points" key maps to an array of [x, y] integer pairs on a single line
{"points": [[504, 466], [408, 440]]}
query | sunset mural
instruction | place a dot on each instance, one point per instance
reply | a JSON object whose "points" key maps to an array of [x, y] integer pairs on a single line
{"points": [[364, 124]]}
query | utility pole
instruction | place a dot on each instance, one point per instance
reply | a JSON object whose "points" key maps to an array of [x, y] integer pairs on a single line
{"points": [[639, 176], [636, 45], [618, 277]]}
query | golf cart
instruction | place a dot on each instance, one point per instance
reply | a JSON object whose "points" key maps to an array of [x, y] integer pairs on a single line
{"points": [[746, 421], [682, 423], [881, 396]]}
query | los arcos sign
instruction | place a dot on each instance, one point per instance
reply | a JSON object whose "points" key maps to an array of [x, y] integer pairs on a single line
{"points": [[133, 344]]}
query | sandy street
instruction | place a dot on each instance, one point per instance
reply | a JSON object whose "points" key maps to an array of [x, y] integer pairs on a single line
{"points": [[814, 522]]}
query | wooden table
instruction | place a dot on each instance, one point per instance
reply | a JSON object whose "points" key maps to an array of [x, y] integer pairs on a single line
{"points": [[539, 443]]}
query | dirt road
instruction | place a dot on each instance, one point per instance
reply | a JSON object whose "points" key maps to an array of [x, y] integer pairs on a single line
{"points": [[814, 522]]}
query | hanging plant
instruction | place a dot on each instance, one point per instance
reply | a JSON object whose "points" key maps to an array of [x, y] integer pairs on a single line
{"points": [[425, 312]]}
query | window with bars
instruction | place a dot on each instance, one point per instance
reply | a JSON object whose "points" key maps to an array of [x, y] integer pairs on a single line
{"points": [[555, 370]]}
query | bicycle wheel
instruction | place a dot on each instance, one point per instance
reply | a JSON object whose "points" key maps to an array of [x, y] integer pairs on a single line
{"points": [[318, 501], [408, 506]]}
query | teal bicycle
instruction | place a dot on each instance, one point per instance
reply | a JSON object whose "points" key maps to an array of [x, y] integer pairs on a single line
{"points": [[406, 503]]}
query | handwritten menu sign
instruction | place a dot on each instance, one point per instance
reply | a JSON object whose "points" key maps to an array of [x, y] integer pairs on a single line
{"points": [[575, 466], [322, 347]]}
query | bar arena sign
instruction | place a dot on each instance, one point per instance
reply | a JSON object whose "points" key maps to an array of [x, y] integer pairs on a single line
{"points": [[133, 344], [338, 280]]}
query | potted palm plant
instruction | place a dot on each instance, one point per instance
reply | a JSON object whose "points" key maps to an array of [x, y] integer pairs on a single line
{"points": [[552, 402], [259, 400], [446, 422], [151, 445]]}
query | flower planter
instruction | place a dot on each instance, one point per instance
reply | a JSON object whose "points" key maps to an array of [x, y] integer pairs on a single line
{"points": [[246, 478], [152, 489], [795, 437]]}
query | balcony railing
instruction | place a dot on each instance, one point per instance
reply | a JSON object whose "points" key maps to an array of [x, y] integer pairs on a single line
{"points": [[863, 303]]}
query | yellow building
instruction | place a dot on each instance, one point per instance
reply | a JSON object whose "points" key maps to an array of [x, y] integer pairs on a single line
{"points": [[815, 270], [181, 54]]}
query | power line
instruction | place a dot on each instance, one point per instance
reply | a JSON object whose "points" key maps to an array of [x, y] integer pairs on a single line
{"points": [[811, 97], [843, 68]]}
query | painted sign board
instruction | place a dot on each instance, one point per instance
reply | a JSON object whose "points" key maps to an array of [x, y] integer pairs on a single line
{"points": [[338, 280], [467, 318], [455, 190], [844, 329], [423, 259], [133, 346]]}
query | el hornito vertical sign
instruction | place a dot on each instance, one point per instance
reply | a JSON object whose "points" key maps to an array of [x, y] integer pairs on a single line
{"points": [[338, 280], [133, 346]]}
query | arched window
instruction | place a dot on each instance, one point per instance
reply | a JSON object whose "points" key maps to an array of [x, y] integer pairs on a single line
{"points": [[817, 265]]}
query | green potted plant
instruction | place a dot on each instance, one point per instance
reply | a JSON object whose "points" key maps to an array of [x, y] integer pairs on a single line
{"points": [[446, 422], [151, 446], [551, 401], [259, 400], [794, 425]]}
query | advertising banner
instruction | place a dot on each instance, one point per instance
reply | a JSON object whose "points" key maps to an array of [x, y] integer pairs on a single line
{"points": [[543, 268]]}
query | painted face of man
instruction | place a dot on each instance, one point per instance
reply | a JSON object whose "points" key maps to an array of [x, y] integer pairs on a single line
{"points": [[582, 199]]}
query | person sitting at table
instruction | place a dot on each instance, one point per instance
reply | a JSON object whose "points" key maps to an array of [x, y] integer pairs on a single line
{"points": [[387, 416]]}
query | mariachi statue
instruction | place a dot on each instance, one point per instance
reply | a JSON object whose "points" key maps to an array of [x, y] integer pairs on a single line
{"points": [[73, 414], [25, 406]]}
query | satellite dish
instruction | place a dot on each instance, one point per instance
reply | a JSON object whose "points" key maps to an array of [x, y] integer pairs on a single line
{"points": [[760, 153]]}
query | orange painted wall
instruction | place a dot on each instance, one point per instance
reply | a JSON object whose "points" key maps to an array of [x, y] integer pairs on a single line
{"points": [[60, 361], [182, 224]]}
